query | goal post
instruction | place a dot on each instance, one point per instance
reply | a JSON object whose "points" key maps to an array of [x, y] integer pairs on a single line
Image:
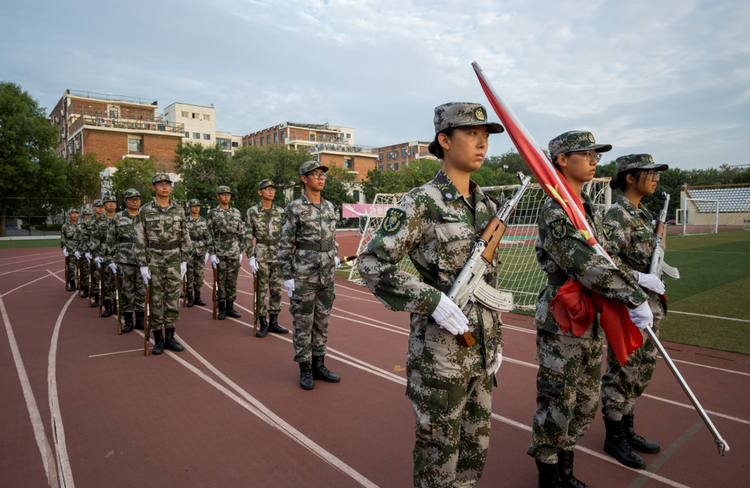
{"points": [[699, 216]]}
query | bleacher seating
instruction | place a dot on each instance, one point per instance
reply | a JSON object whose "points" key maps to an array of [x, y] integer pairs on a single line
{"points": [[730, 199]]}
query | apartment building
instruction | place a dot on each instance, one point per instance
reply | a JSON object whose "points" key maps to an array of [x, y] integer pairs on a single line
{"points": [[199, 124], [114, 127], [397, 156]]}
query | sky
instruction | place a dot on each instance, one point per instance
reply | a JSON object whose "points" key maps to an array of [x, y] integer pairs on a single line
{"points": [[666, 77]]}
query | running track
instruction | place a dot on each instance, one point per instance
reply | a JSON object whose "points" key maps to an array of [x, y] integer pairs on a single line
{"points": [[81, 406]]}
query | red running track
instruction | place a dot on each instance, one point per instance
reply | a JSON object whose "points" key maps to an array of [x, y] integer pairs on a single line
{"points": [[83, 407]]}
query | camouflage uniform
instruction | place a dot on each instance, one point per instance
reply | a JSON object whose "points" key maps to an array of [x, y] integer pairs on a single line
{"points": [[89, 230], [265, 226], [83, 246], [125, 231], [69, 234], [97, 246], [164, 244], [225, 235], [196, 262], [450, 385], [307, 253], [570, 366]]}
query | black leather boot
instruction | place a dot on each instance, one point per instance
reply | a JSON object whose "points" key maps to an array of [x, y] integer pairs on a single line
{"points": [[85, 290], [231, 312], [158, 343], [198, 300], [128, 325], [95, 302], [139, 320], [637, 442], [107, 308], [616, 445], [262, 327], [222, 311], [190, 301], [273, 325], [72, 285], [320, 372], [170, 343], [565, 468], [306, 376], [549, 476]]}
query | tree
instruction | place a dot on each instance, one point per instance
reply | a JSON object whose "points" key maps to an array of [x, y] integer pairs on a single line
{"points": [[203, 169], [84, 176], [27, 158], [337, 187], [133, 173]]}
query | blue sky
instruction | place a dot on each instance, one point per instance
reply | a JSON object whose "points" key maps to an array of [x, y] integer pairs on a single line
{"points": [[671, 78]]}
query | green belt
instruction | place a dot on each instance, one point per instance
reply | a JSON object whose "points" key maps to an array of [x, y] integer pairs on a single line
{"points": [[444, 288], [125, 239], [268, 242], [164, 247], [316, 246], [643, 268], [557, 279]]}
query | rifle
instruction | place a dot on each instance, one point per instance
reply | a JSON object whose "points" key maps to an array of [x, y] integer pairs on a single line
{"points": [[90, 285], [256, 305], [101, 298], [349, 260], [65, 273], [470, 281], [77, 275], [146, 332], [215, 294], [658, 266], [117, 304], [184, 292]]}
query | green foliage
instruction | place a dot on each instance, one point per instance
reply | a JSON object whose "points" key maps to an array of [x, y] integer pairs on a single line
{"points": [[337, 187], [203, 169], [134, 173], [84, 176]]}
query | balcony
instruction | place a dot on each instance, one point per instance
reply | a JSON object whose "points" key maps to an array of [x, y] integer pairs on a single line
{"points": [[342, 148], [305, 137], [111, 98], [96, 119]]}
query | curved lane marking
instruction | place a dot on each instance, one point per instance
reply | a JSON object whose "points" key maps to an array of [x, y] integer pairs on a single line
{"points": [[30, 282], [24, 269], [19, 261]]}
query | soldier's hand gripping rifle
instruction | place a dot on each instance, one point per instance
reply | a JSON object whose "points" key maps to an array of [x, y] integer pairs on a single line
{"points": [[470, 282], [117, 304], [146, 331], [658, 266]]}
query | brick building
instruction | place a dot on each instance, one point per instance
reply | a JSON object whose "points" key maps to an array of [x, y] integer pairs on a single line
{"points": [[200, 126], [114, 127], [397, 156], [329, 144]]}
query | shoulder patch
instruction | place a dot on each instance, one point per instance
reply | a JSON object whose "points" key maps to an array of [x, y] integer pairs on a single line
{"points": [[559, 229], [609, 229], [392, 221], [450, 218], [640, 228]]}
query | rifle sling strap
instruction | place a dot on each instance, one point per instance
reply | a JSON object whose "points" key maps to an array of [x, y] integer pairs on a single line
{"points": [[168, 246]]}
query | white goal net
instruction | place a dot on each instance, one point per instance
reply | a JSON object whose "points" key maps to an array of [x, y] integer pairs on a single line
{"points": [[519, 271], [698, 216]]}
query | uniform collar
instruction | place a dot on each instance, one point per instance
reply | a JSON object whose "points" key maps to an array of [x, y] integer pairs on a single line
{"points": [[308, 202], [155, 204], [450, 192], [628, 206]]}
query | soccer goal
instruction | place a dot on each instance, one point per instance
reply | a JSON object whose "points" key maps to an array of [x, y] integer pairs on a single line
{"points": [[519, 270], [699, 216]]}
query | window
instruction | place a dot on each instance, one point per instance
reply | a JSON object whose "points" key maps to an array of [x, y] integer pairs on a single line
{"points": [[388, 166], [381, 167], [135, 145], [226, 144], [261, 142], [395, 166], [187, 135], [243, 143], [206, 117], [236, 144], [355, 194], [411, 150], [380, 157], [275, 137], [403, 152], [184, 114], [348, 164], [195, 116], [348, 136], [268, 138], [196, 135], [312, 137], [389, 155], [282, 136], [206, 137]]}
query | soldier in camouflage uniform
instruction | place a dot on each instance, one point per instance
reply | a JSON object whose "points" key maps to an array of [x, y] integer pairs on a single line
{"points": [[569, 365], [90, 230], [225, 245], [121, 258], [162, 251], [436, 225], [82, 247], [198, 229], [69, 242], [307, 253], [263, 223], [630, 236], [98, 248]]}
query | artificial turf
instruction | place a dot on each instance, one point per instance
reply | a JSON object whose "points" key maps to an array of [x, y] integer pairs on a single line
{"points": [[28, 243]]}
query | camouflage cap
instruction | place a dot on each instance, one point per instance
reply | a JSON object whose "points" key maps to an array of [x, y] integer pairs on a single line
{"points": [[194, 203], [87, 210], [109, 199], [457, 114], [160, 177], [266, 184], [631, 162], [72, 211], [310, 166], [98, 202], [132, 192], [223, 189], [575, 140]]}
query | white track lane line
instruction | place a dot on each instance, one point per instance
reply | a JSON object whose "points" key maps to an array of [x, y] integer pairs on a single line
{"points": [[24, 269], [118, 352], [359, 364], [48, 457], [19, 261], [709, 316], [30, 282], [58, 431]]}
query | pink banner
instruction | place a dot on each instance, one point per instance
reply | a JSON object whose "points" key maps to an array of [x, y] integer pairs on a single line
{"points": [[354, 210]]}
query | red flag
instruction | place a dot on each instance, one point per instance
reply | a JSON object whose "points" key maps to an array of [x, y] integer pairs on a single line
{"points": [[558, 188]]}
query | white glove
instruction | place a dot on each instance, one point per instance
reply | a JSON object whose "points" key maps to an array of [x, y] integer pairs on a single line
{"points": [[337, 261], [253, 264], [206, 260], [77, 254], [450, 317], [642, 316], [88, 257], [113, 267], [214, 260], [499, 361], [183, 270], [652, 282], [146, 274], [65, 252], [289, 285], [240, 258]]}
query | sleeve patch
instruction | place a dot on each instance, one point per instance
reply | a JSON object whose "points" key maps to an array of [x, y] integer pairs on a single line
{"points": [[609, 229], [640, 228], [392, 221], [559, 229]]}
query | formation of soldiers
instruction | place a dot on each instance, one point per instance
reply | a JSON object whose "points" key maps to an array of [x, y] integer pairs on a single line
{"points": [[148, 250]]}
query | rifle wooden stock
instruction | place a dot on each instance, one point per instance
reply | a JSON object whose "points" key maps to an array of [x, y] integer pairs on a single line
{"points": [[146, 331], [492, 234], [215, 296], [184, 292], [117, 304], [255, 304], [101, 298], [91, 285], [65, 275], [77, 276]]}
